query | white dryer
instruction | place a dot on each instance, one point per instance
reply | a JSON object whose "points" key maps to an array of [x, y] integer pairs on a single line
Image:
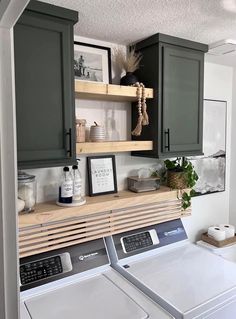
{"points": [[187, 280], [78, 282]]}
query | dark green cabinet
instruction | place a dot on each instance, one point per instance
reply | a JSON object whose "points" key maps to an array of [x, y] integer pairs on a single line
{"points": [[45, 111], [174, 68]]}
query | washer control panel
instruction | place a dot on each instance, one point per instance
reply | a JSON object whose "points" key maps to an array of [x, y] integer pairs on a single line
{"points": [[139, 241], [45, 268]]}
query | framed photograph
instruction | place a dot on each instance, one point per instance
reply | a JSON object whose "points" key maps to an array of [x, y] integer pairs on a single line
{"points": [[102, 175], [92, 62]]}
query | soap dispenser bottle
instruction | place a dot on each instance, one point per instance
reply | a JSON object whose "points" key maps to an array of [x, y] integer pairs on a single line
{"points": [[66, 187], [77, 184]]}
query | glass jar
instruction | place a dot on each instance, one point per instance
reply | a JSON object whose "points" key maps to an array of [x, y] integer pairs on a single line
{"points": [[80, 130], [27, 190]]}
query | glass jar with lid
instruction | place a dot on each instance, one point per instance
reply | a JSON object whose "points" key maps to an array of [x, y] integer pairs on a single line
{"points": [[80, 130], [27, 191]]}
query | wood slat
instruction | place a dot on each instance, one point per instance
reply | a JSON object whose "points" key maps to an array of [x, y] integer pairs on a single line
{"points": [[85, 229], [76, 242], [88, 228], [128, 211]]}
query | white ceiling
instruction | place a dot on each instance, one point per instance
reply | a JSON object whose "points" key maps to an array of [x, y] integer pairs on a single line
{"points": [[126, 21]]}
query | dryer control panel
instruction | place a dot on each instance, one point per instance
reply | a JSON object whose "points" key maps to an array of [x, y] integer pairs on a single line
{"points": [[139, 240], [45, 268]]}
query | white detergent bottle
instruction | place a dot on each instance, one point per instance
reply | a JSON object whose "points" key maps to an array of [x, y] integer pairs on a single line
{"points": [[77, 184]]}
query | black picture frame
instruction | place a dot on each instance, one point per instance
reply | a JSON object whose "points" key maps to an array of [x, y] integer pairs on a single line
{"points": [[101, 175], [97, 50]]}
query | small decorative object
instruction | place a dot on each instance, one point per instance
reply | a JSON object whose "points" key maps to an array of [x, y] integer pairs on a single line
{"points": [[129, 63], [92, 62], [102, 175], [97, 133], [138, 184], [80, 130], [180, 175], [26, 191], [142, 109]]}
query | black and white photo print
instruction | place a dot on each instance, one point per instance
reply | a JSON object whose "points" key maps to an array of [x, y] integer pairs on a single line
{"points": [[92, 63]]}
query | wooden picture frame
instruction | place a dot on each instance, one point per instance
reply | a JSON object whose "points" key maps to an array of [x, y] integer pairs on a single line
{"points": [[101, 175], [92, 63]]}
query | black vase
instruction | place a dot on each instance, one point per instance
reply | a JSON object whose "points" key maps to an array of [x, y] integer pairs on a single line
{"points": [[128, 79]]}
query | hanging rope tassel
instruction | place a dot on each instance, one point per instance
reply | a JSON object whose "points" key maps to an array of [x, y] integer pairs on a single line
{"points": [[142, 109], [138, 129], [144, 106]]}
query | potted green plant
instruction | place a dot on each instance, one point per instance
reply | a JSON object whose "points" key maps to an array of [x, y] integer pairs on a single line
{"points": [[181, 175]]}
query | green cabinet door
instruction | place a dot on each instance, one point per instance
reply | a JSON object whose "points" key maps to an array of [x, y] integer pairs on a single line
{"points": [[174, 68], [182, 100], [44, 77]]}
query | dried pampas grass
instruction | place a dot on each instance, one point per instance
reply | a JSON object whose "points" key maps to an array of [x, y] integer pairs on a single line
{"points": [[129, 62]]}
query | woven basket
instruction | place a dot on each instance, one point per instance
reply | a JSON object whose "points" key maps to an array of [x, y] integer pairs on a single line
{"points": [[176, 180]]}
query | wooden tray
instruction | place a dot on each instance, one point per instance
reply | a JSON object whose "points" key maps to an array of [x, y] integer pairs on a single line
{"points": [[219, 244]]}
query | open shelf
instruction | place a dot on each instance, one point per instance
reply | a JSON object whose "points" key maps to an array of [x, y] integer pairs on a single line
{"points": [[113, 147], [49, 212], [52, 227], [110, 92]]}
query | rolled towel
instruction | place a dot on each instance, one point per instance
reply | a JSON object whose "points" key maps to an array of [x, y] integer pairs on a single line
{"points": [[216, 233], [229, 230]]}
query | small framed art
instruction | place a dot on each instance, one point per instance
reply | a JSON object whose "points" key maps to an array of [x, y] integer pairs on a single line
{"points": [[92, 62], [102, 175]]}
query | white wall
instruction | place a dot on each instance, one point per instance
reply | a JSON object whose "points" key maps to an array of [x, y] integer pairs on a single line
{"points": [[214, 208], [232, 199], [207, 210]]}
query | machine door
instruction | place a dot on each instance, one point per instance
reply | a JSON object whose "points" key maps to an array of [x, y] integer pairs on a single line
{"points": [[96, 297]]}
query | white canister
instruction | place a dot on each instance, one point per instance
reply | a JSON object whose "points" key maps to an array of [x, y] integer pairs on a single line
{"points": [[27, 191], [97, 133]]}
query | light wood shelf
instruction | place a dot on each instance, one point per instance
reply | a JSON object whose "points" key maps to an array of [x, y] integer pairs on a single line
{"points": [[113, 147], [50, 212], [109, 92], [51, 227]]}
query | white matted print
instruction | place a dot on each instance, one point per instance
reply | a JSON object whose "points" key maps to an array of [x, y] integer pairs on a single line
{"points": [[102, 175], [211, 167], [92, 63]]}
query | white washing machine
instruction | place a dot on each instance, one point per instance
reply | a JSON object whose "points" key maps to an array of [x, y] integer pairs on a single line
{"points": [[187, 280], [78, 282]]}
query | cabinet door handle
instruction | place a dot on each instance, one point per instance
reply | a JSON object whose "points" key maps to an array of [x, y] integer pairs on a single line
{"points": [[167, 138], [69, 143]]}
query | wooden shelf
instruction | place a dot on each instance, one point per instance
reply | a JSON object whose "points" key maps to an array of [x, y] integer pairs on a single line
{"points": [[112, 147], [52, 227], [110, 92], [50, 212]]}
